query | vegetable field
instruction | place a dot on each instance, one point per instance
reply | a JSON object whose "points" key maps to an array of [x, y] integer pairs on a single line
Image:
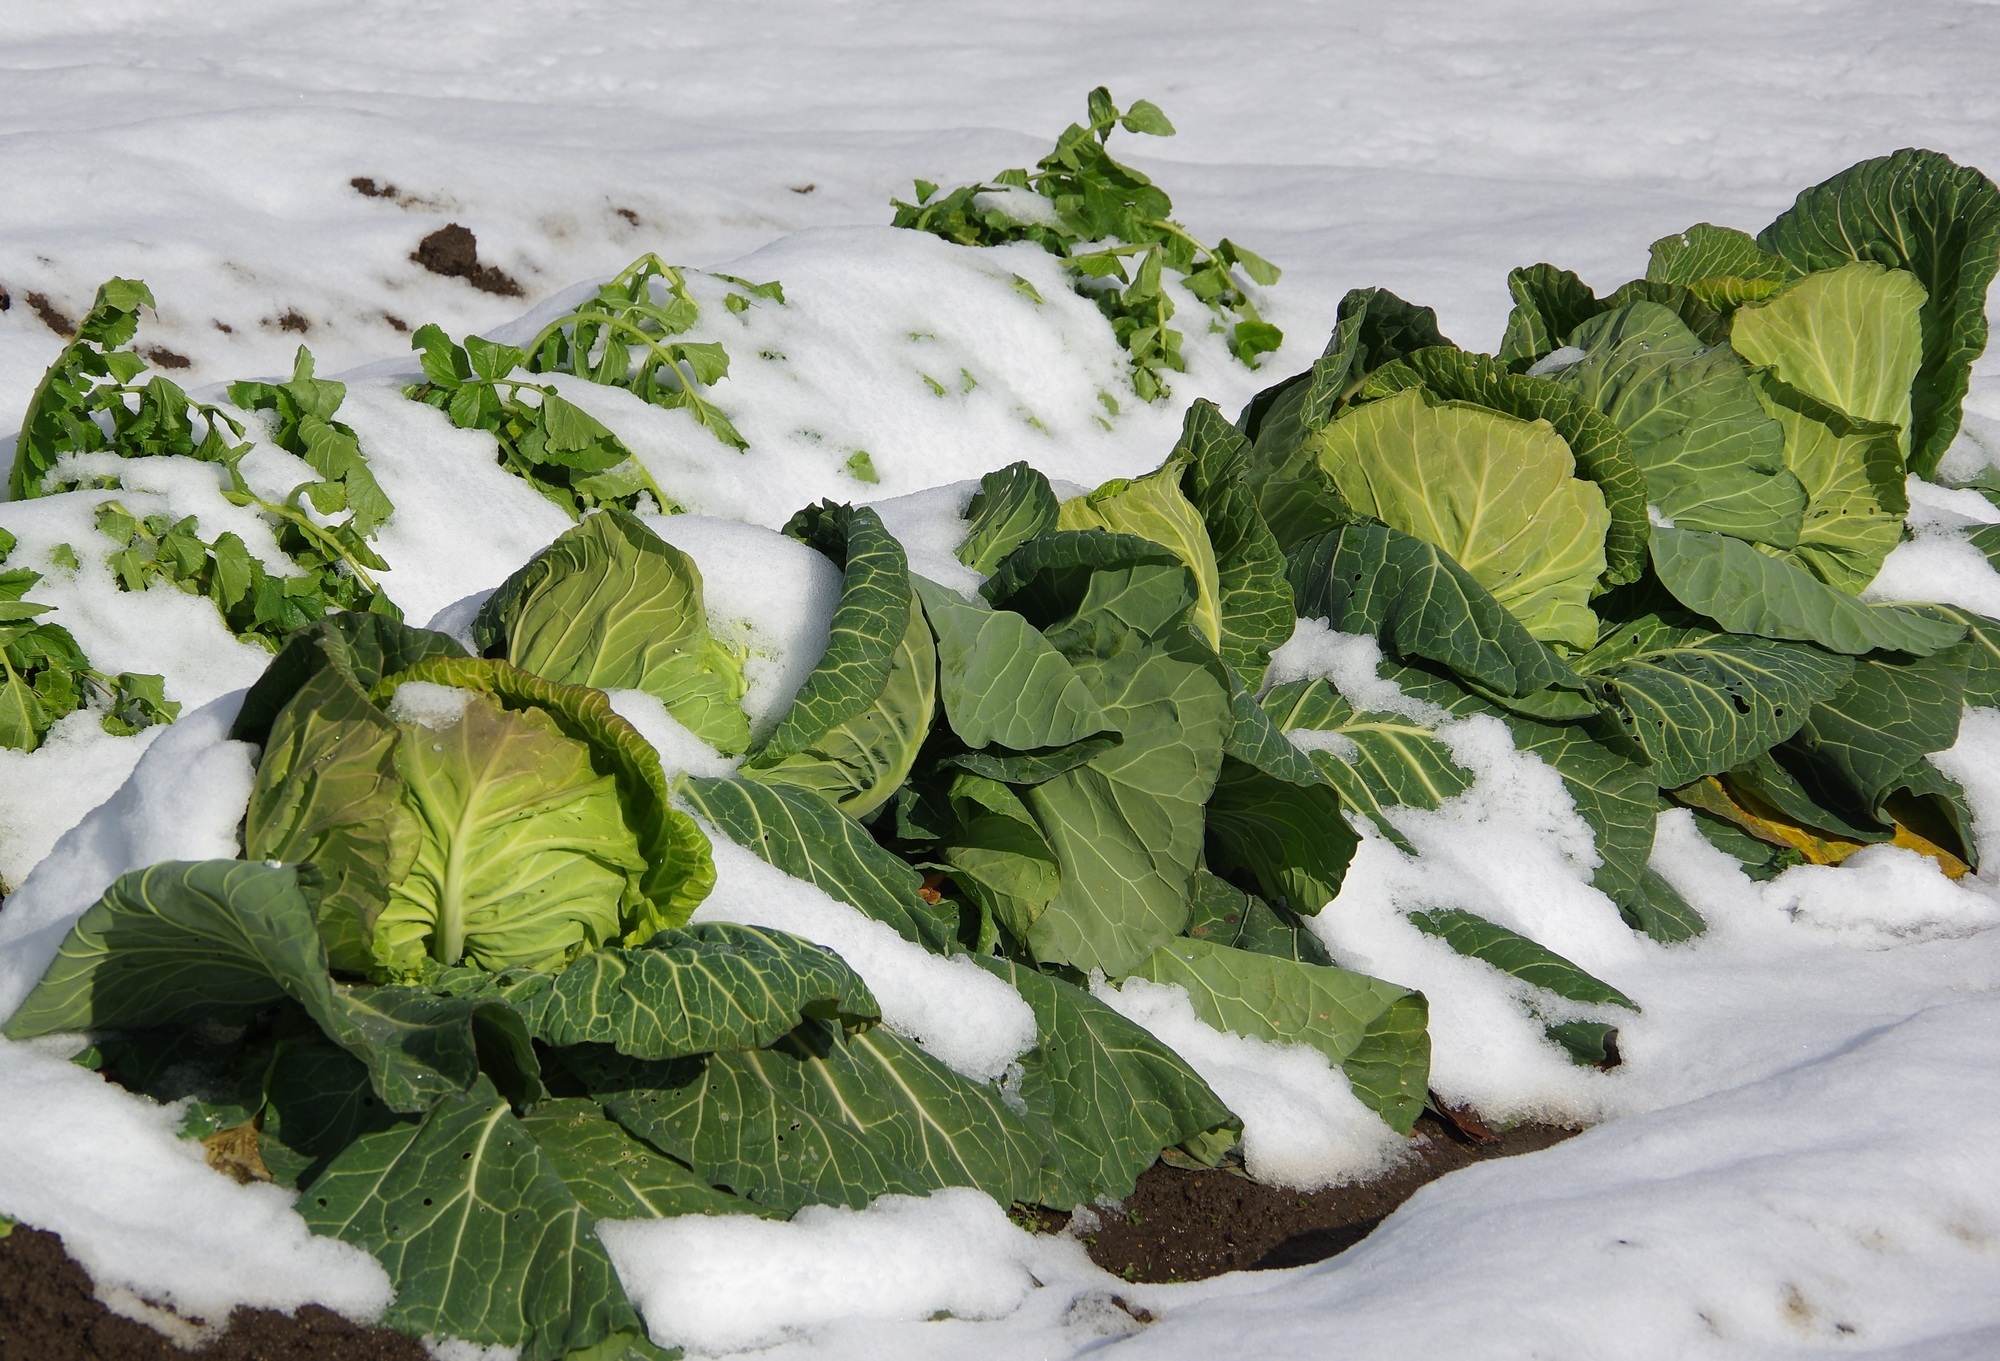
{"points": [[660, 875]]}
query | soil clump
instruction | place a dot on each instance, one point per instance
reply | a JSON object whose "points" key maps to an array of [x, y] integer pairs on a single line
{"points": [[453, 251]]}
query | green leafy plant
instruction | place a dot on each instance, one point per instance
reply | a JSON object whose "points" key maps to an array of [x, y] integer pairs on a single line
{"points": [[90, 402], [1111, 226], [45, 676], [548, 441], [451, 991], [624, 337]]}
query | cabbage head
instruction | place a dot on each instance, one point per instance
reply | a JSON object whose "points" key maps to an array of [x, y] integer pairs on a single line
{"points": [[1500, 495], [462, 811]]}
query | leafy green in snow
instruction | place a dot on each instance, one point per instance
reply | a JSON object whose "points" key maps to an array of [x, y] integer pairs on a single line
{"points": [[1111, 226], [45, 676], [625, 337], [612, 605], [854, 729], [548, 441], [303, 410], [1012, 506], [1377, 761], [1721, 266]]}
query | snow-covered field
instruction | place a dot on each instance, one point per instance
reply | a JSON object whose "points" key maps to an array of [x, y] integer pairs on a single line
{"points": [[1793, 1157]]}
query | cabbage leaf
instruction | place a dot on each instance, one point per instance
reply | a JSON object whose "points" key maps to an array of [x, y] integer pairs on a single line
{"points": [[1496, 493]]}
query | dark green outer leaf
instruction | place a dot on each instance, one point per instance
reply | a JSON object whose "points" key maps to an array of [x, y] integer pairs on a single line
{"points": [[1256, 739], [818, 1120], [613, 606], [1918, 211], [806, 837], [1113, 1094], [1711, 457], [1013, 505], [1032, 767], [362, 647], [1619, 798], [1225, 915], [997, 855], [186, 941], [700, 989], [1856, 746], [1982, 655], [1603, 455], [1046, 578], [327, 793], [1290, 840], [1127, 827], [868, 626], [1002, 682], [1397, 763], [614, 1175], [1368, 578], [1660, 912], [1513, 953], [476, 1229], [1255, 603], [1549, 303], [1692, 702], [858, 763], [1746, 591], [679, 870], [1358, 1022]]}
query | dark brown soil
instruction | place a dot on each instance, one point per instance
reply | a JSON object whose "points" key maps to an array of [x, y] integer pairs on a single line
{"points": [[1178, 1225], [48, 1313], [294, 321], [6, 298], [365, 186], [1187, 1225], [52, 316], [162, 357], [453, 251]]}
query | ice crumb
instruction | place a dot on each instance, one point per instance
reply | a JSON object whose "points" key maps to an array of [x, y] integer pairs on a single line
{"points": [[1303, 1127], [437, 707], [1555, 361]]}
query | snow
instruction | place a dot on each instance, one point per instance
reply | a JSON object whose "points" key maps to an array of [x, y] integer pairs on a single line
{"points": [[1790, 1146], [952, 1253]]}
